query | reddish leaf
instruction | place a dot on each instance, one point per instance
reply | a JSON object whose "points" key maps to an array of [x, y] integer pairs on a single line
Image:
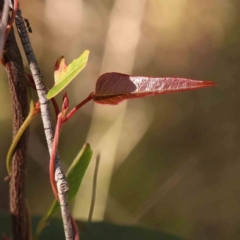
{"points": [[113, 88]]}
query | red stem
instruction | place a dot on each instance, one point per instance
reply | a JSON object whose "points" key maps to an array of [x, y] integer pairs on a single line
{"points": [[56, 139], [55, 105], [53, 156], [74, 110], [59, 125], [75, 229], [14, 12], [52, 169]]}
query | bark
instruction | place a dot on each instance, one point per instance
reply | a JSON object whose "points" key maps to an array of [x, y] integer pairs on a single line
{"points": [[19, 96]]}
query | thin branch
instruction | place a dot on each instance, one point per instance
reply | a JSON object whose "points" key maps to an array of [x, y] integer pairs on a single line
{"points": [[53, 156], [55, 106], [47, 123], [14, 12], [94, 188], [75, 228], [74, 110], [4, 25], [57, 190], [53, 100]]}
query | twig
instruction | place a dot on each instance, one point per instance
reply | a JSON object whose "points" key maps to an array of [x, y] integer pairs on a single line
{"points": [[74, 110], [53, 100], [94, 188], [57, 189], [47, 123], [75, 228], [4, 25], [14, 12]]}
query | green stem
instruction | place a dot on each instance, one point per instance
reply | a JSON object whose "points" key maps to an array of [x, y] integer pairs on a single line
{"points": [[20, 132]]}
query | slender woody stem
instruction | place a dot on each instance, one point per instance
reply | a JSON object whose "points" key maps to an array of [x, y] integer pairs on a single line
{"points": [[53, 100], [14, 12], [47, 123], [4, 25]]}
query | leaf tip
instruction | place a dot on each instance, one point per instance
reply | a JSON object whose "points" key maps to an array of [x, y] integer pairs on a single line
{"points": [[210, 83], [206, 84], [87, 51], [87, 146], [60, 61], [49, 95]]}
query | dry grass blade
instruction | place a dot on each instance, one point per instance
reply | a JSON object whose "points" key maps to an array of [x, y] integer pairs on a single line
{"points": [[94, 188]]}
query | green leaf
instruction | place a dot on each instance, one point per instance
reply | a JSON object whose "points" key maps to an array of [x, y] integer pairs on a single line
{"points": [[74, 177], [77, 170], [64, 74]]}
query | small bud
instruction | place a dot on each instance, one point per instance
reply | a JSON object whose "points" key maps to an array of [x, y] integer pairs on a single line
{"points": [[37, 108], [65, 103]]}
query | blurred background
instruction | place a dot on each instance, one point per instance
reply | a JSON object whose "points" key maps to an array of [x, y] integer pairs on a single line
{"points": [[170, 162]]}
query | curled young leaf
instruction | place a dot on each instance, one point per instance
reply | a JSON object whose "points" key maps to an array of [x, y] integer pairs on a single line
{"points": [[113, 88]]}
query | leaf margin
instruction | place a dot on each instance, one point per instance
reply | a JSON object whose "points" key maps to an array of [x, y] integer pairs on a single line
{"points": [[77, 64]]}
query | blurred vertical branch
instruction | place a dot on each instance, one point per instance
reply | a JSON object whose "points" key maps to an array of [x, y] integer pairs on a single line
{"points": [[18, 90], [4, 22]]}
